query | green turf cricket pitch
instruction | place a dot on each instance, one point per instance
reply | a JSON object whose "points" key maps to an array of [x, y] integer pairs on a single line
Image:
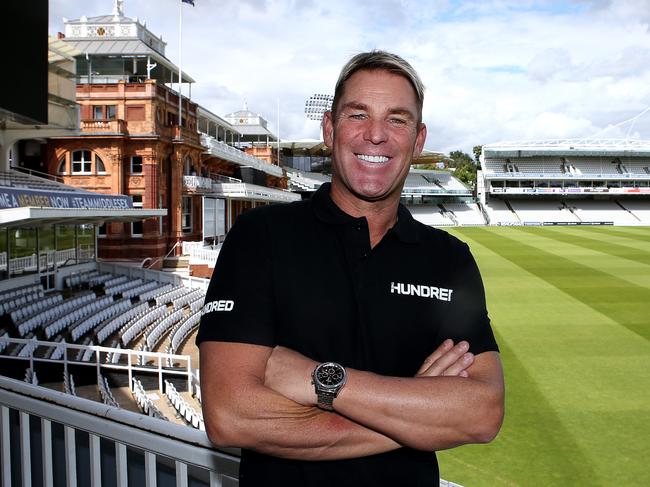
{"points": [[570, 307]]}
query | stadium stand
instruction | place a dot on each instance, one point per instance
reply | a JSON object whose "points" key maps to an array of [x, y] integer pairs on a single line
{"points": [[30, 377], [185, 410], [602, 211], [542, 211], [138, 324], [640, 209], [145, 403], [68, 384], [466, 213], [566, 182], [499, 211], [431, 215], [105, 391], [181, 331]]}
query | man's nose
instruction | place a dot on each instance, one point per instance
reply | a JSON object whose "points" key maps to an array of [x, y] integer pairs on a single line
{"points": [[376, 131]]}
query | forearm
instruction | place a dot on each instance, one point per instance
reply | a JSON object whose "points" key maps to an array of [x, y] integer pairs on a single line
{"points": [[275, 425], [427, 413], [431, 411], [240, 411]]}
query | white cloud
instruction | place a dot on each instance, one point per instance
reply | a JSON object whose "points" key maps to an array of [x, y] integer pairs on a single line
{"points": [[494, 69]]}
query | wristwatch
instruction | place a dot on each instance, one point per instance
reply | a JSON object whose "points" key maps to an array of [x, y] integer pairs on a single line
{"points": [[328, 379]]}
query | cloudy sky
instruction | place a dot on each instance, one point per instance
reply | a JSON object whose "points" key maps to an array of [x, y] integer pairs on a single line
{"points": [[494, 69]]}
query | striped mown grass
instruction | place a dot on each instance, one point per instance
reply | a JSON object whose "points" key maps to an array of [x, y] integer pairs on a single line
{"points": [[571, 310]]}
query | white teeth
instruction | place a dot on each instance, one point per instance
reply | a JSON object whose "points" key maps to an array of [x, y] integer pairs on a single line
{"points": [[373, 159]]}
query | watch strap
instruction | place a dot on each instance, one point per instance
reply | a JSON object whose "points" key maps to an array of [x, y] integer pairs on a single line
{"points": [[326, 400]]}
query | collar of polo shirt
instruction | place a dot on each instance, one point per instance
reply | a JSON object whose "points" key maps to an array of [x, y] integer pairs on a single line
{"points": [[326, 210]]}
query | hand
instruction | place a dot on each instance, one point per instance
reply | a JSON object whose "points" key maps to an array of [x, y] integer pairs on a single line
{"points": [[448, 360], [289, 373]]}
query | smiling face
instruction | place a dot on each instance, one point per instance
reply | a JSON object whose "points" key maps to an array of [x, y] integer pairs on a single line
{"points": [[374, 137]]}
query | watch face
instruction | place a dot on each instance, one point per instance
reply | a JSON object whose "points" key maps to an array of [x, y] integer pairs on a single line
{"points": [[330, 374]]}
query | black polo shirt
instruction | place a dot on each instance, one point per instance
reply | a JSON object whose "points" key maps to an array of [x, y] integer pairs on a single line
{"points": [[303, 275]]}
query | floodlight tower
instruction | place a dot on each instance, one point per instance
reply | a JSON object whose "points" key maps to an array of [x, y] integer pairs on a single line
{"points": [[316, 105]]}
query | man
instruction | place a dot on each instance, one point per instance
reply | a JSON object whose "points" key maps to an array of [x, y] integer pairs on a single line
{"points": [[342, 342]]}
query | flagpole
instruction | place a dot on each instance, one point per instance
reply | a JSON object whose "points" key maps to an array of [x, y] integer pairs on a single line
{"points": [[279, 131], [180, 63]]}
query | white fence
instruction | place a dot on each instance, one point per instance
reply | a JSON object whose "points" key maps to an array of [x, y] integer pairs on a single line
{"points": [[197, 183], [224, 151], [29, 263], [98, 354], [153, 275], [200, 254], [68, 445]]}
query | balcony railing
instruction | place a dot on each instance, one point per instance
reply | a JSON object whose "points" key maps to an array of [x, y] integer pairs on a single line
{"points": [[185, 134], [197, 184], [253, 192], [228, 153], [115, 126], [54, 438], [201, 255]]}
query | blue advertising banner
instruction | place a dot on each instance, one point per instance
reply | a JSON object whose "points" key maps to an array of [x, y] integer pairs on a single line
{"points": [[21, 197]]}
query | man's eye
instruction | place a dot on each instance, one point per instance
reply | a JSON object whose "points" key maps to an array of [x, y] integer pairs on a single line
{"points": [[397, 121], [358, 116]]}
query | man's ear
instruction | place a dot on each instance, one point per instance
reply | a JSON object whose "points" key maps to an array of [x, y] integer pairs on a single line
{"points": [[328, 129], [420, 139]]}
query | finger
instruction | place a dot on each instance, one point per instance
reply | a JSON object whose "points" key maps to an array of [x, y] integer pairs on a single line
{"points": [[460, 365], [446, 360], [438, 352]]}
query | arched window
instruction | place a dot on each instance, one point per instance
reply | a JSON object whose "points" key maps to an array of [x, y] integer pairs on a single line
{"points": [[99, 165], [61, 169]]}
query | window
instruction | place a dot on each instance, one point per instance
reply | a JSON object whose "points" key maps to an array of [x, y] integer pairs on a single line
{"points": [[136, 227], [104, 112], [136, 164], [186, 220], [61, 169], [99, 165], [189, 167], [101, 230], [82, 162], [135, 113]]}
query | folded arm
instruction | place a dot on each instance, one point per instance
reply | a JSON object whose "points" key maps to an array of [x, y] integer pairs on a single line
{"points": [[431, 411], [240, 411]]}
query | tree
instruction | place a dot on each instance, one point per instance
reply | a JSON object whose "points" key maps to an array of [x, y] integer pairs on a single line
{"points": [[465, 167], [459, 158], [477, 150]]}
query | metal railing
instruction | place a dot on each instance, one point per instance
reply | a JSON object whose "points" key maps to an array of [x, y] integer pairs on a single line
{"points": [[253, 191], [197, 184], [155, 361], [153, 275], [229, 153], [51, 437], [29, 263]]}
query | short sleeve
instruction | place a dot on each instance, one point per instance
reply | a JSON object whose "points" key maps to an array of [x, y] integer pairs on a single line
{"points": [[239, 304], [468, 317]]}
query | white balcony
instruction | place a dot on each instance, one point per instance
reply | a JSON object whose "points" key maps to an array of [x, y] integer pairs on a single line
{"points": [[245, 191], [197, 184], [231, 154]]}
